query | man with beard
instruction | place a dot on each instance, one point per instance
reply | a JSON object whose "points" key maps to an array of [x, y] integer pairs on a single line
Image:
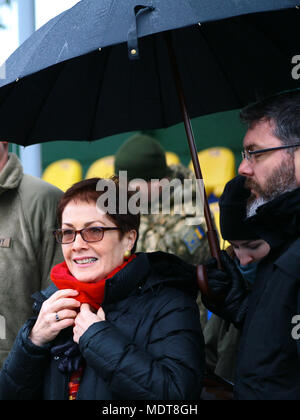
{"points": [[269, 355], [270, 154]]}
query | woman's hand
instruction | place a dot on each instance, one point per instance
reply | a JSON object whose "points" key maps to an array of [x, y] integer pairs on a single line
{"points": [[85, 319], [57, 313]]}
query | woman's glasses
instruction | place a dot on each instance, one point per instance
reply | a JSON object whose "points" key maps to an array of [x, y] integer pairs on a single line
{"points": [[89, 234], [248, 154]]}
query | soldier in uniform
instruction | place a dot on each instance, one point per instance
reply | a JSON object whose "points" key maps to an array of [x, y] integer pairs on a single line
{"points": [[181, 231]]}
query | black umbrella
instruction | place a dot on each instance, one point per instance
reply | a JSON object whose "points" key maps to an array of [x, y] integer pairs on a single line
{"points": [[103, 67], [75, 81]]}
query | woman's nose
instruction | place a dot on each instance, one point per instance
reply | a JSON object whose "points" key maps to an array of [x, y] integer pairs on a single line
{"points": [[79, 242]]}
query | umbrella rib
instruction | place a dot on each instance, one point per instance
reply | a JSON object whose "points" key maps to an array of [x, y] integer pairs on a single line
{"points": [[268, 38], [62, 65], [94, 119], [159, 79], [211, 49]]}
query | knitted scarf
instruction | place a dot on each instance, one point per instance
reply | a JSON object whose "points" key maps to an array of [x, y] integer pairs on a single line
{"points": [[91, 293]]}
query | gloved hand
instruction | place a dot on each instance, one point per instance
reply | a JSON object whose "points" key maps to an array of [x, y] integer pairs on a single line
{"points": [[229, 284]]}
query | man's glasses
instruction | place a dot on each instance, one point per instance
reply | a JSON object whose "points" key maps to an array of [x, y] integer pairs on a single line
{"points": [[248, 154], [90, 234]]}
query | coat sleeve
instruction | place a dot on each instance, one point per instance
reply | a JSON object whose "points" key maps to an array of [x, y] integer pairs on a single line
{"points": [[169, 367], [21, 377]]}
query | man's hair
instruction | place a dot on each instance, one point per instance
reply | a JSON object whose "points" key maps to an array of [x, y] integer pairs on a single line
{"points": [[283, 110], [86, 191]]}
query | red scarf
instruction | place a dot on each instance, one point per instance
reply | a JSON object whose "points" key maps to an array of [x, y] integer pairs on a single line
{"points": [[91, 293]]}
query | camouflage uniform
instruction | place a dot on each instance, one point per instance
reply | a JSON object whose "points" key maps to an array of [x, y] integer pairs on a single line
{"points": [[172, 233]]}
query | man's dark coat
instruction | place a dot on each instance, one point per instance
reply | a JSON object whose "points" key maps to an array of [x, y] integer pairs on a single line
{"points": [[269, 355]]}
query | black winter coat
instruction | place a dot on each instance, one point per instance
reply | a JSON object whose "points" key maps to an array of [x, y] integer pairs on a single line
{"points": [[149, 348], [269, 355]]}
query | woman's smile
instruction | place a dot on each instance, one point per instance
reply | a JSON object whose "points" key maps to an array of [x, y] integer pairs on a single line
{"points": [[85, 261]]}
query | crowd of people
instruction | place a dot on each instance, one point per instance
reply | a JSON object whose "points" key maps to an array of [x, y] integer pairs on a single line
{"points": [[103, 304]]}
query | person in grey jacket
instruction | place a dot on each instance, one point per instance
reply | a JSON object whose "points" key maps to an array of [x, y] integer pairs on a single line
{"points": [[27, 216], [114, 325]]}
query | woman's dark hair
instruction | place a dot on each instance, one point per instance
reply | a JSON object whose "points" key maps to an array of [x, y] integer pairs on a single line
{"points": [[282, 109], [86, 191]]}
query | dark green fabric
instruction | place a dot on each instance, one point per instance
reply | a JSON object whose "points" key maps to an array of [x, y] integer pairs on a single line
{"points": [[142, 157]]}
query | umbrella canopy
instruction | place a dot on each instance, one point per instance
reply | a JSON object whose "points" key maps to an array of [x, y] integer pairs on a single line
{"points": [[73, 79]]}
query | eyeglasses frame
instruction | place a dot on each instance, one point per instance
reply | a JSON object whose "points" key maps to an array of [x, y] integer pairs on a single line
{"points": [[103, 228], [270, 149]]}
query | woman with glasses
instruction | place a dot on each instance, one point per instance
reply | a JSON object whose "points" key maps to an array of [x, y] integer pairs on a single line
{"points": [[114, 324]]}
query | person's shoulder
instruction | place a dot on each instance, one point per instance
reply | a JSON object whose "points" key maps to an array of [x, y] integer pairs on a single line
{"points": [[39, 200], [289, 260], [162, 293], [169, 263], [170, 271], [171, 299], [32, 185]]}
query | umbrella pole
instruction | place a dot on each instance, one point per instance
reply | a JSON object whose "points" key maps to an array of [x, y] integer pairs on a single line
{"points": [[211, 232]]}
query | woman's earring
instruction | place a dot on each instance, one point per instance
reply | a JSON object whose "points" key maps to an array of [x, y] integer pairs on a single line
{"points": [[127, 254]]}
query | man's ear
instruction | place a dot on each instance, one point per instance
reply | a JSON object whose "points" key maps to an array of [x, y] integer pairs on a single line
{"points": [[297, 166]]}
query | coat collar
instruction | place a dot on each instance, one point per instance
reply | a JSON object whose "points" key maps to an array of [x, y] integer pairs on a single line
{"points": [[278, 222], [11, 175], [132, 276]]}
